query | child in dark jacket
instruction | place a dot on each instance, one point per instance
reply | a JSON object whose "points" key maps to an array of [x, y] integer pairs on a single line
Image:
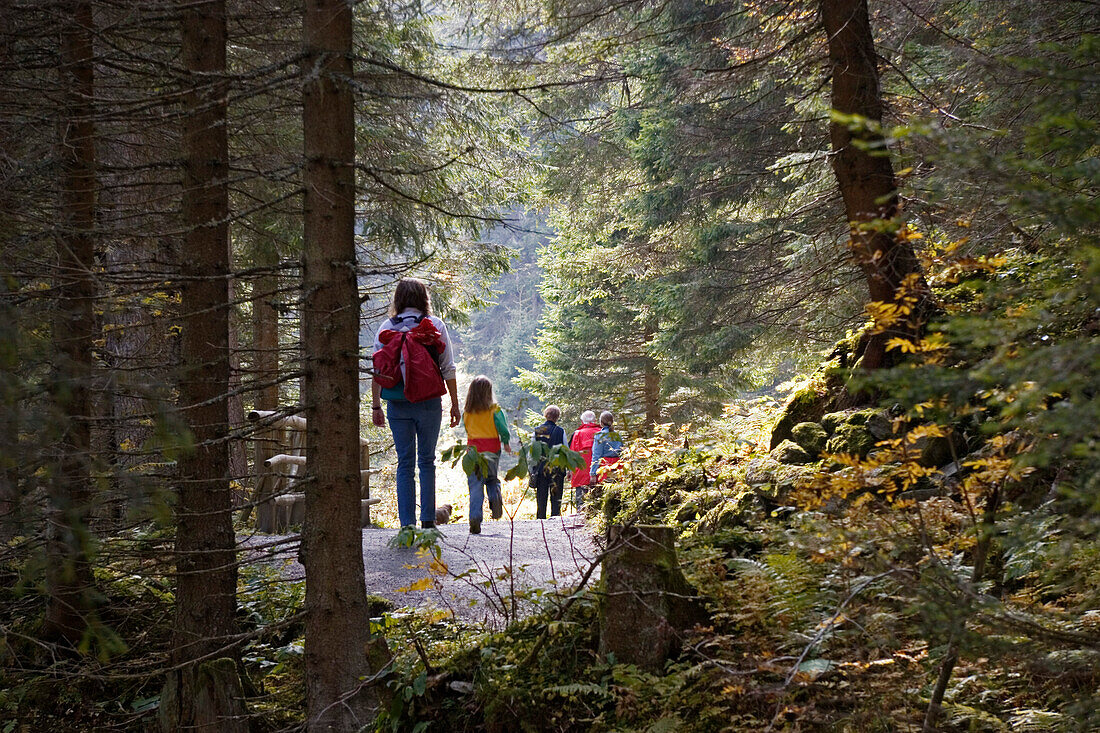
{"points": [[549, 483]]}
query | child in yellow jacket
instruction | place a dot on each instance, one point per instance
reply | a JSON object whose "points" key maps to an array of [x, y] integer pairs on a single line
{"points": [[487, 431]]}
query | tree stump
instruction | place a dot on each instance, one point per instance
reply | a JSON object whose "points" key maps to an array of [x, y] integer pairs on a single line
{"points": [[214, 696], [646, 604]]}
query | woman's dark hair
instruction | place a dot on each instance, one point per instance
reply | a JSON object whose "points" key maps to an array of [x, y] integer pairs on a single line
{"points": [[411, 293], [479, 397]]}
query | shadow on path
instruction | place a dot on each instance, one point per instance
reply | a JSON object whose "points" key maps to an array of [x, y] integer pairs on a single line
{"points": [[522, 556]]}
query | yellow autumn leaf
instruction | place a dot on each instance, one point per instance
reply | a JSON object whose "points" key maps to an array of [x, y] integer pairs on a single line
{"points": [[904, 345], [422, 584]]}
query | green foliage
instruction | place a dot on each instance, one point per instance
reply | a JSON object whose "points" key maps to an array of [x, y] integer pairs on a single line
{"points": [[500, 336], [528, 457], [420, 539]]}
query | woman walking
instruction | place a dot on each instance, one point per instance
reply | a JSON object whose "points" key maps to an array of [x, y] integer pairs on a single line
{"points": [[606, 447], [487, 431], [581, 442], [414, 424]]}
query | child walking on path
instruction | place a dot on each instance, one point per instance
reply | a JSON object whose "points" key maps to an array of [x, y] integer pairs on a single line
{"points": [[549, 482], [487, 431]]}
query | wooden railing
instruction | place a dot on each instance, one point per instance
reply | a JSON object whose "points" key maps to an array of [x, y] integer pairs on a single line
{"points": [[280, 462]]}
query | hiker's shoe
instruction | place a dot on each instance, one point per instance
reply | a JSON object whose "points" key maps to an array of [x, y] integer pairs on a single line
{"points": [[427, 525], [475, 526], [496, 506]]}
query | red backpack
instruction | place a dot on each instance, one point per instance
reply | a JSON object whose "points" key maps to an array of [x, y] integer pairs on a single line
{"points": [[416, 350]]}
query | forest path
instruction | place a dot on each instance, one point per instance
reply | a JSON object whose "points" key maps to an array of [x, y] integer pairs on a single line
{"points": [[542, 554]]}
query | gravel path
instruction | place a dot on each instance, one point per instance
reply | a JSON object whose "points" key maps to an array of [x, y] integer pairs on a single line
{"points": [[522, 555]]}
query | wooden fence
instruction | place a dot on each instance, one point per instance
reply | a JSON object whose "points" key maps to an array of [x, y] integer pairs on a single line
{"points": [[280, 462]]}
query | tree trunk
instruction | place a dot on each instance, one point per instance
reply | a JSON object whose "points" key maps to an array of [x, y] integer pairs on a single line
{"points": [[337, 627], [646, 605], [206, 582], [137, 217], [265, 373], [9, 314], [265, 335], [238, 453], [865, 174], [69, 575]]}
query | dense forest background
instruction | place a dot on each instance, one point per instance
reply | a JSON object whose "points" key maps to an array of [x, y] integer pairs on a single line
{"points": [[833, 263]]}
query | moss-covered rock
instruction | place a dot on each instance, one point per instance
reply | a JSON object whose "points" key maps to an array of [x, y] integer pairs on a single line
{"points": [[879, 425], [851, 438], [791, 453], [694, 504], [810, 436], [859, 417], [833, 420], [727, 515], [377, 605], [806, 404], [771, 478], [934, 452]]}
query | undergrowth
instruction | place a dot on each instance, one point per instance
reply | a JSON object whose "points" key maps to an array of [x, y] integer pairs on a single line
{"points": [[897, 588]]}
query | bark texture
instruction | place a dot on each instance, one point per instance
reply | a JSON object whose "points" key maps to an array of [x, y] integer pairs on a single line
{"points": [[206, 583], [646, 604], [137, 215], [238, 453], [338, 693], [265, 373], [69, 575], [206, 698], [9, 329], [861, 163]]}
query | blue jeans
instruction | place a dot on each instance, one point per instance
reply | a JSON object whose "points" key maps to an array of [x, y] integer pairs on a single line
{"points": [[415, 428], [479, 484]]}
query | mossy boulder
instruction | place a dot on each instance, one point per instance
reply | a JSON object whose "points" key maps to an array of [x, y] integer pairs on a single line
{"points": [[810, 436], [692, 505], [727, 515], [851, 438], [377, 605], [859, 417], [791, 453], [774, 479], [933, 452], [806, 404], [833, 420], [879, 425]]}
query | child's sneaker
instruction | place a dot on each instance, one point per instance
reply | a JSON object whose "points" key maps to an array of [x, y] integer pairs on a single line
{"points": [[475, 526]]}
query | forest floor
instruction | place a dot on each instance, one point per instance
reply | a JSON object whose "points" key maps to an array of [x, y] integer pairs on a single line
{"points": [[489, 578]]}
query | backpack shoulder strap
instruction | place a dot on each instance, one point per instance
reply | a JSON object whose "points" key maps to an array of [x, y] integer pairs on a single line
{"points": [[401, 319]]}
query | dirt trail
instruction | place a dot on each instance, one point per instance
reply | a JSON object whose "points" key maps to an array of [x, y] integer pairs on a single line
{"points": [[541, 553]]}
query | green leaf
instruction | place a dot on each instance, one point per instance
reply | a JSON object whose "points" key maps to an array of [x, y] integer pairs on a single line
{"points": [[420, 684], [814, 668], [521, 469]]}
